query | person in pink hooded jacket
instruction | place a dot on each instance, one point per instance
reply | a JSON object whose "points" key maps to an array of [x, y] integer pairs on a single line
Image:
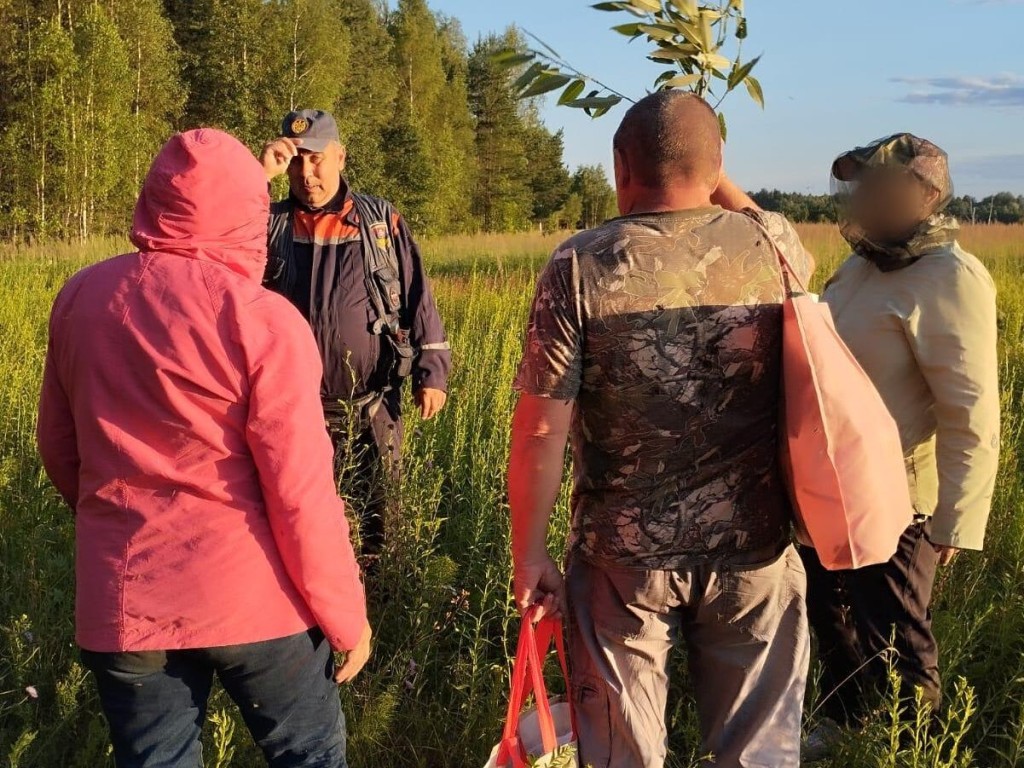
{"points": [[179, 420]]}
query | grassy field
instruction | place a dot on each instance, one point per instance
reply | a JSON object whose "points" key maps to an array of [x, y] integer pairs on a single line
{"points": [[434, 693]]}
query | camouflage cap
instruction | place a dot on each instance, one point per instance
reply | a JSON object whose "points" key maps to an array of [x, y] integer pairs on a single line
{"points": [[921, 157], [316, 128]]}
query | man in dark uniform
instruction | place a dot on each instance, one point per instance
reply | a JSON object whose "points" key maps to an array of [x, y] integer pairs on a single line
{"points": [[349, 263]]}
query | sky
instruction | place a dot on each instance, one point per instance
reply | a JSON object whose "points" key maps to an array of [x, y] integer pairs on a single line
{"points": [[836, 75]]}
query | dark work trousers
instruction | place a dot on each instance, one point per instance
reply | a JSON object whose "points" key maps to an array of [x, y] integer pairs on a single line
{"points": [[869, 618], [155, 701], [367, 464]]}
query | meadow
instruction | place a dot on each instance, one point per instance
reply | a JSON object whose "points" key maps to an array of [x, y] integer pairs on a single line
{"points": [[434, 693]]}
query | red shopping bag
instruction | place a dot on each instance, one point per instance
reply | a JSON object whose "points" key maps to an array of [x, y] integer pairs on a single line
{"points": [[547, 731], [840, 447]]}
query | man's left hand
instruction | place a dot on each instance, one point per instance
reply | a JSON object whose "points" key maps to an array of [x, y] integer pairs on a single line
{"points": [[430, 401], [946, 554]]}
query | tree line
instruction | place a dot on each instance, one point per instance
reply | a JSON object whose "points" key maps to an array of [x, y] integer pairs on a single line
{"points": [[1000, 208], [90, 89]]}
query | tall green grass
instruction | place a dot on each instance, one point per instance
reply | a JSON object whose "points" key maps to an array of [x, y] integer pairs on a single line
{"points": [[434, 692]]}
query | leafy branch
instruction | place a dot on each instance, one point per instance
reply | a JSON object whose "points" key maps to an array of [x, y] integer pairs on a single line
{"points": [[689, 38]]}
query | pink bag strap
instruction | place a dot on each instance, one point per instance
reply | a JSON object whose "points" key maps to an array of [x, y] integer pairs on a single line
{"points": [[789, 275], [548, 629], [527, 677], [509, 750]]}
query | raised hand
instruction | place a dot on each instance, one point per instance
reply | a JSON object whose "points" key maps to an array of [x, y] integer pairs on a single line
{"points": [[278, 154]]}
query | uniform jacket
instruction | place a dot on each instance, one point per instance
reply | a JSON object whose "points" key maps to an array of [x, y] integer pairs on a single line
{"points": [[324, 270]]}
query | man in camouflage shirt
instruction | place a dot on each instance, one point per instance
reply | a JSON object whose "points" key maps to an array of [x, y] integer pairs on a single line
{"points": [[654, 343]]}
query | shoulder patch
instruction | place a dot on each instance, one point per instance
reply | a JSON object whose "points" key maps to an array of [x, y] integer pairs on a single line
{"points": [[379, 230]]}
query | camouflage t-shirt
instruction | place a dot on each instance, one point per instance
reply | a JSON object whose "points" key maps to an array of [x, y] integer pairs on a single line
{"points": [[666, 331]]}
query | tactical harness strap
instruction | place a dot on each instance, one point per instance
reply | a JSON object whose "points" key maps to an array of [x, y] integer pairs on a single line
{"points": [[380, 262], [381, 273]]}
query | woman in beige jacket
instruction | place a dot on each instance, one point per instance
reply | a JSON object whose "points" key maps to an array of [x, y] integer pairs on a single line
{"points": [[919, 314]]}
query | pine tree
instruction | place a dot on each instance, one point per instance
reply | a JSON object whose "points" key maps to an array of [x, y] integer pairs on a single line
{"points": [[597, 198], [365, 108], [227, 64], [501, 199], [550, 181], [431, 106]]}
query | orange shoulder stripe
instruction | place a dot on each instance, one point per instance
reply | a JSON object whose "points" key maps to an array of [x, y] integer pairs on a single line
{"points": [[330, 227]]}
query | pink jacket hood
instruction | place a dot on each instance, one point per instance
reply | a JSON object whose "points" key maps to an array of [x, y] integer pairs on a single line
{"points": [[205, 197]]}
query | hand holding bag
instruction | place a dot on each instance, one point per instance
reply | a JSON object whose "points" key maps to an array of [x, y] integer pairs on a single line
{"points": [[546, 733]]}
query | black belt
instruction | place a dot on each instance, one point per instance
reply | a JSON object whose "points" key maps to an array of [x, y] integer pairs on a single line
{"points": [[342, 407]]}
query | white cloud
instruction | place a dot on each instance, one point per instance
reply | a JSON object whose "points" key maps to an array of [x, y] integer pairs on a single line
{"points": [[1005, 90], [988, 2]]}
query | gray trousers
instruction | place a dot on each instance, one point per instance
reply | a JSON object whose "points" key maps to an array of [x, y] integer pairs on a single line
{"points": [[745, 629]]}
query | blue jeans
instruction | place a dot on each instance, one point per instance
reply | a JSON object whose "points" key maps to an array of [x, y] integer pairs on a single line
{"points": [[155, 701]]}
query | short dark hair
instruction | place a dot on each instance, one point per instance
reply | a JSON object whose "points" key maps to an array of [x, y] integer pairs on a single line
{"points": [[671, 136]]}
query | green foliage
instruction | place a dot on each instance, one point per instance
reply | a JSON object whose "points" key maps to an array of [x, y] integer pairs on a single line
{"points": [[366, 105], [224, 748], [521, 177], [82, 108], [158, 96], [563, 757], [435, 690], [312, 53], [502, 199], [432, 119], [700, 44], [550, 182], [905, 734], [1000, 208], [797, 206], [89, 91], [597, 198], [569, 215]]}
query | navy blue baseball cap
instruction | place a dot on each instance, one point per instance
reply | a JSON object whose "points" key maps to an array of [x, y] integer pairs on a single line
{"points": [[315, 127]]}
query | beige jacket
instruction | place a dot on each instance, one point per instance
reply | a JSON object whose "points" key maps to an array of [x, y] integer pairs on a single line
{"points": [[926, 335]]}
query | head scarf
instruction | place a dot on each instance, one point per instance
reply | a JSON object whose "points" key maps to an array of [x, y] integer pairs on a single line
{"points": [[929, 164]]}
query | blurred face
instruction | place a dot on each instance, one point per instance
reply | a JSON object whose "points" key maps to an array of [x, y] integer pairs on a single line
{"points": [[890, 203], [315, 177]]}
